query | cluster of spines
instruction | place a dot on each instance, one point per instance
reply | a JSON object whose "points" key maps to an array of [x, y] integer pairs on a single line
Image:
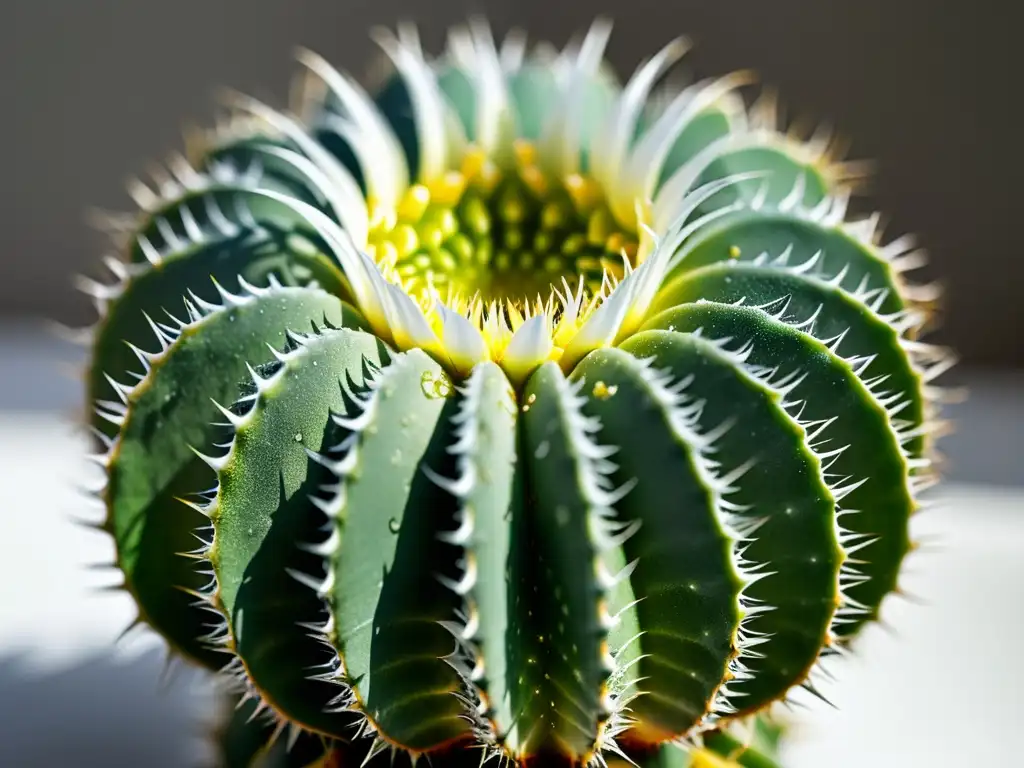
{"points": [[926, 361], [467, 658], [116, 412], [594, 462], [780, 387], [684, 416], [166, 334]]}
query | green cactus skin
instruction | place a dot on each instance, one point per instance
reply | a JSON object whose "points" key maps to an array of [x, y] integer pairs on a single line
{"points": [[617, 521], [244, 737]]}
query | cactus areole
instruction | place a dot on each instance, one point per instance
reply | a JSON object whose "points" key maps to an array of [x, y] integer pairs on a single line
{"points": [[508, 411]]}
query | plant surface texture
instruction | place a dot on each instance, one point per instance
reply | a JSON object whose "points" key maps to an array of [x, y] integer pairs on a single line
{"points": [[509, 412]]}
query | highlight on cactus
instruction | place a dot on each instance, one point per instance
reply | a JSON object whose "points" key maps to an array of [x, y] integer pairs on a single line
{"points": [[509, 411]]}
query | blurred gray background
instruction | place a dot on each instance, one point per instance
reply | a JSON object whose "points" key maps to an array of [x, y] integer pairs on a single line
{"points": [[91, 90]]}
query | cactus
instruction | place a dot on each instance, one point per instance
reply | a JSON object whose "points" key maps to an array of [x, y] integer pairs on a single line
{"points": [[509, 412]]}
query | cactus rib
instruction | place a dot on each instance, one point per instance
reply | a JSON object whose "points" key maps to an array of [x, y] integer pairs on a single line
{"points": [[521, 415]]}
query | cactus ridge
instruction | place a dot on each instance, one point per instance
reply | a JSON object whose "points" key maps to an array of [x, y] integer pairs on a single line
{"points": [[150, 464], [773, 503], [686, 626], [618, 520]]}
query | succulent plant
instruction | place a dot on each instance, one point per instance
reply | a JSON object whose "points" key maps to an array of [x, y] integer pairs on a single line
{"points": [[518, 413]]}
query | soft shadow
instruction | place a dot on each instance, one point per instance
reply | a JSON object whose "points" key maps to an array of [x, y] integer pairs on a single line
{"points": [[104, 710]]}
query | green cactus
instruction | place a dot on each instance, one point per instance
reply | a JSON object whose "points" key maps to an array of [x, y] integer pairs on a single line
{"points": [[509, 413]]}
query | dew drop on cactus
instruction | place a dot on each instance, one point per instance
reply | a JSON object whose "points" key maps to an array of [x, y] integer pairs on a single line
{"points": [[509, 412]]}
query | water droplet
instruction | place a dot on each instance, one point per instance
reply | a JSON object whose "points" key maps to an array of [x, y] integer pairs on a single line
{"points": [[314, 363], [562, 516], [394, 526], [298, 437], [250, 532], [435, 388]]}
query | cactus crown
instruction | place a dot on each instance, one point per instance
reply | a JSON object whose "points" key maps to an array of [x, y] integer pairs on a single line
{"points": [[520, 414]]}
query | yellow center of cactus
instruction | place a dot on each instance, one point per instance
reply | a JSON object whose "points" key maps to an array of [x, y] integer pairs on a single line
{"points": [[502, 236]]}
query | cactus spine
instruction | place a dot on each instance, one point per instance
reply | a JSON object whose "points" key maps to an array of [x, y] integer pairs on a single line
{"points": [[519, 414]]}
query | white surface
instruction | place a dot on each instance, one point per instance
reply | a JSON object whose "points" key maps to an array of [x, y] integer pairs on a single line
{"points": [[946, 689]]}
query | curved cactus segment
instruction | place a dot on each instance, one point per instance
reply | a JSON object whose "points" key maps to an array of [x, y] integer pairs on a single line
{"points": [[147, 294], [210, 210], [248, 738], [152, 464], [263, 514], [866, 468], [485, 482], [681, 555], [781, 502], [835, 252], [840, 318], [243, 738], [396, 584], [221, 207], [564, 524], [227, 213], [782, 172], [623, 640], [704, 130], [276, 163]]}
